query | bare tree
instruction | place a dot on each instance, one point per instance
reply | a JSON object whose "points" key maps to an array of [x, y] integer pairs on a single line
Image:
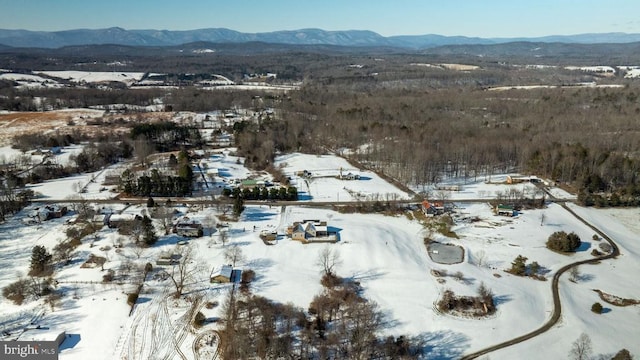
{"points": [[137, 250], [210, 222], [574, 274], [442, 196], [581, 348], [62, 251], [224, 236], [233, 254], [82, 207], [142, 149], [164, 214], [328, 260], [184, 271], [481, 258], [136, 231], [366, 320]]}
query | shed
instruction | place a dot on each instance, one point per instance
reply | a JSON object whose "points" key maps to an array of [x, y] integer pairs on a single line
{"points": [[505, 210], [222, 274]]}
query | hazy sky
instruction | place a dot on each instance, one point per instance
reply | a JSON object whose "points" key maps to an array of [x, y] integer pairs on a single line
{"points": [[483, 18]]}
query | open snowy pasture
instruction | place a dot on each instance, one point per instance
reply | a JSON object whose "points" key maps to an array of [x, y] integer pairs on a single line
{"points": [[324, 184], [87, 186], [29, 80]]}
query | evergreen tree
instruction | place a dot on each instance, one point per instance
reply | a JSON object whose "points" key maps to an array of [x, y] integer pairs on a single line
{"points": [[534, 268], [238, 206], [40, 261], [623, 354], [148, 232], [518, 266], [128, 182]]}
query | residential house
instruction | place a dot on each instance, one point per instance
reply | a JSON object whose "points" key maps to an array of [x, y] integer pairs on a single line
{"points": [[167, 258], [221, 274], [188, 227], [433, 208], [117, 220], [349, 176], [311, 231], [101, 219], [49, 212]]}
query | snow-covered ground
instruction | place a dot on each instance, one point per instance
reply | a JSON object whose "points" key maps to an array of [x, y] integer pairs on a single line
{"points": [[94, 76], [632, 73], [29, 80], [386, 254], [323, 183]]}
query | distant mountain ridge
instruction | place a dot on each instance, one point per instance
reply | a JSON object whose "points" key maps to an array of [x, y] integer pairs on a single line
{"points": [[119, 36]]}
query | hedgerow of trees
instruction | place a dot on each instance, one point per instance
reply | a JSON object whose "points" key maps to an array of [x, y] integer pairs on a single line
{"points": [[289, 193]]}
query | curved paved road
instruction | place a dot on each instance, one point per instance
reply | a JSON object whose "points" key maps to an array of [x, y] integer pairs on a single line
{"points": [[557, 306]]}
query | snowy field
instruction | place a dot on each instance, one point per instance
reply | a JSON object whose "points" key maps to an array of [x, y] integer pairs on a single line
{"points": [[29, 81], [94, 76], [324, 185]]}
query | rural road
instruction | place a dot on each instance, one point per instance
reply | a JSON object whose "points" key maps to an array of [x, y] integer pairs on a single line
{"points": [[557, 305]]}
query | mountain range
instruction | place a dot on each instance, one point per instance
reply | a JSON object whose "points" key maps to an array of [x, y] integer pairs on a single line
{"points": [[119, 36]]}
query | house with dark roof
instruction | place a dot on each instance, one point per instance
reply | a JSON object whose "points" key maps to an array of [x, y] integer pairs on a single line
{"points": [[188, 227]]}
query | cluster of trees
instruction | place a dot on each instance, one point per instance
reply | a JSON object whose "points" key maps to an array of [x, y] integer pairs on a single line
{"points": [[38, 283], [582, 349], [157, 184], [167, 136], [519, 267], [561, 241], [95, 156], [32, 141], [12, 199], [48, 98], [141, 230], [27, 288], [340, 324], [97, 153], [481, 305], [258, 143]]}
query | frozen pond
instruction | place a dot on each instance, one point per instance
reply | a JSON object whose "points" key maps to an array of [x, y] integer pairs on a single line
{"points": [[445, 253]]}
